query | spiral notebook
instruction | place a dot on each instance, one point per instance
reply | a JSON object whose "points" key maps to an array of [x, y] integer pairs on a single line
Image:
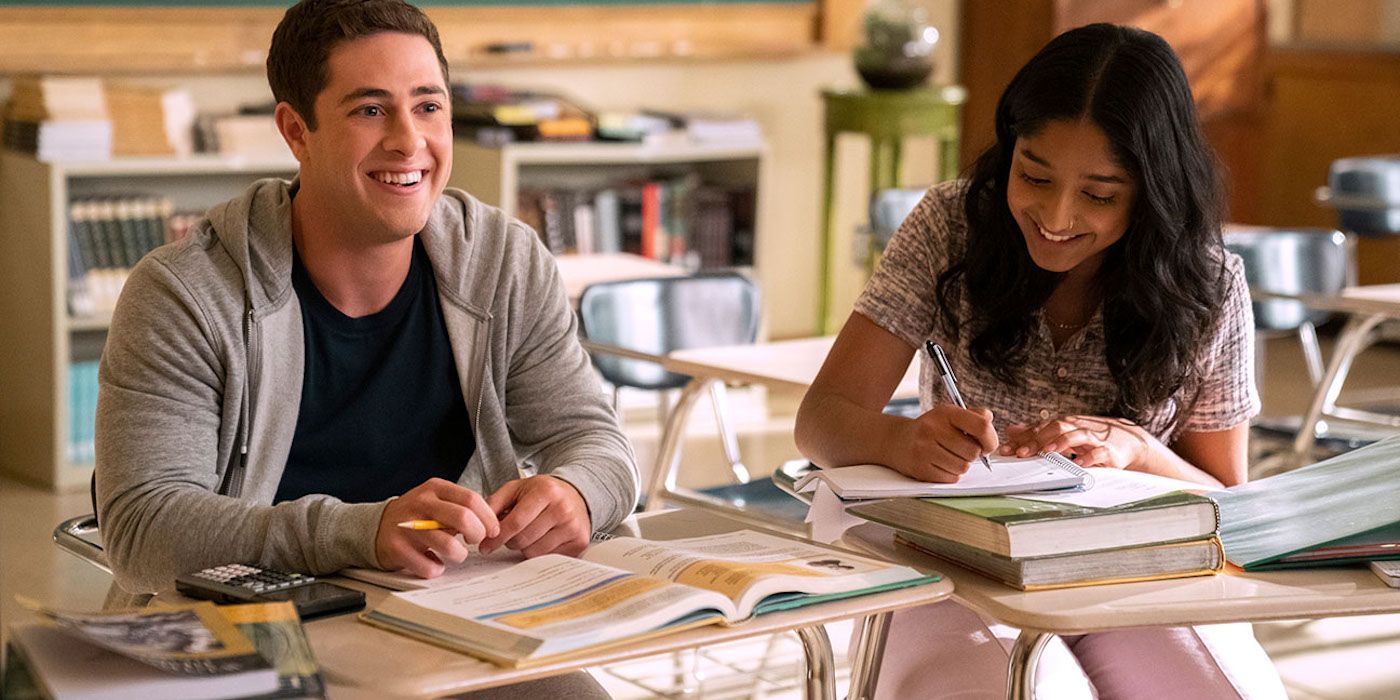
{"points": [[1042, 472]]}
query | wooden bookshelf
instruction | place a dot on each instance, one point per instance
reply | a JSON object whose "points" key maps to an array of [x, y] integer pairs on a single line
{"points": [[41, 339]]}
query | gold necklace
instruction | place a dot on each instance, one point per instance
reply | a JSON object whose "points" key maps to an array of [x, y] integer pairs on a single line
{"points": [[1063, 326]]}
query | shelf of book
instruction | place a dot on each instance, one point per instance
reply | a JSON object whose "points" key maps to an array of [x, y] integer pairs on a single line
{"points": [[47, 359], [699, 205]]}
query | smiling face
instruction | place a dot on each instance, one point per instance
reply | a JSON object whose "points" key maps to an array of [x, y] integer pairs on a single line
{"points": [[382, 150], [1070, 196]]}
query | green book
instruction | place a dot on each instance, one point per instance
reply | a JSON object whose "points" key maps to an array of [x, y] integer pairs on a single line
{"points": [[1151, 562], [1342, 510], [1011, 526]]}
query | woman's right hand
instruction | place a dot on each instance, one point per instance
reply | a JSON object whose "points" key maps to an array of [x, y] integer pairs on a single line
{"points": [[940, 445]]}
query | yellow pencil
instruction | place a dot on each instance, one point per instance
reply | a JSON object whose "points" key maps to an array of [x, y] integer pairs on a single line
{"points": [[421, 525]]}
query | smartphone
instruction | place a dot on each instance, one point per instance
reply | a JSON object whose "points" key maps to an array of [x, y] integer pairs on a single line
{"points": [[241, 583]]}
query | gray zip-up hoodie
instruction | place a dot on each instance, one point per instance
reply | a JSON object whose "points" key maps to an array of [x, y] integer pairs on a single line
{"points": [[201, 385]]}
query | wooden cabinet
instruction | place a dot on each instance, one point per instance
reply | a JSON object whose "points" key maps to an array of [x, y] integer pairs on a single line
{"points": [[1222, 47]]}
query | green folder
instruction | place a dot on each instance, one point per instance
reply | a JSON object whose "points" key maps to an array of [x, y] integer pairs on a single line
{"points": [[1342, 510]]}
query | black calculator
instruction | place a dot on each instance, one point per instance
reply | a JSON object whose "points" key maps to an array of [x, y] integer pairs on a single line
{"points": [[241, 583]]}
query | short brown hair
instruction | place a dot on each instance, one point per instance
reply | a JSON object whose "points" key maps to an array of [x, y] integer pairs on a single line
{"points": [[302, 43]]}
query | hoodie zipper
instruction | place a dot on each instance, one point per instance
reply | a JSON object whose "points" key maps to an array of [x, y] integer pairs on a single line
{"points": [[233, 480]]}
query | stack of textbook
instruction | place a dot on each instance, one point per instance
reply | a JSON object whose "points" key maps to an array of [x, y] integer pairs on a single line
{"points": [[1127, 526], [58, 118]]}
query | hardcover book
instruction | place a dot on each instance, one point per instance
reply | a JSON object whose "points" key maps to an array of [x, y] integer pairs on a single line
{"points": [[1201, 557]]}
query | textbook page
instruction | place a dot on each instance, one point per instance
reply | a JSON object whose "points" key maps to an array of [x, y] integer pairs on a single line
{"points": [[757, 571], [548, 605], [1119, 487], [476, 564]]}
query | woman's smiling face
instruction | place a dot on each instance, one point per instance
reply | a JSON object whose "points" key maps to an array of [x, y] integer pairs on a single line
{"points": [[1070, 196]]}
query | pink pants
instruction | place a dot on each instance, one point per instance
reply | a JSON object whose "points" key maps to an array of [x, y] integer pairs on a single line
{"points": [[947, 651]]}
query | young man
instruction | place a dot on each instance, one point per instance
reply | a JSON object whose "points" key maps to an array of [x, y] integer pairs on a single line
{"points": [[322, 359]]}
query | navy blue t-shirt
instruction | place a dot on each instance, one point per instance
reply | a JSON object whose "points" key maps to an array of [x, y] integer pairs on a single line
{"points": [[381, 406]]}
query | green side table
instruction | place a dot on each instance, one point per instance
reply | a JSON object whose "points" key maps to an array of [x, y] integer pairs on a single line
{"points": [[886, 117]]}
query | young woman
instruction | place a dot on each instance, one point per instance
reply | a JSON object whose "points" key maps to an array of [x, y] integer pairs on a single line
{"points": [[1078, 283]]}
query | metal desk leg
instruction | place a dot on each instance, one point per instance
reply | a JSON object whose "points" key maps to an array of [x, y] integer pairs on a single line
{"points": [[821, 673], [1355, 337], [668, 453], [1020, 675], [869, 651]]}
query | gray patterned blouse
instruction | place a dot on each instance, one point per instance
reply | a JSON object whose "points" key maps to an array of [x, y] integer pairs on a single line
{"points": [[1073, 379]]}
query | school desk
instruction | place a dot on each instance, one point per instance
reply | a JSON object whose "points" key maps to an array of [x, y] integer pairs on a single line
{"points": [[355, 655], [1366, 308], [789, 365], [1234, 596]]}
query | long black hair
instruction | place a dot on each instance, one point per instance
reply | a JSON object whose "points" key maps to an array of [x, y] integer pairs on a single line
{"points": [[1162, 282]]}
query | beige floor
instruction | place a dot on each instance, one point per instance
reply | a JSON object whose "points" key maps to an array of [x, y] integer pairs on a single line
{"points": [[1350, 658]]}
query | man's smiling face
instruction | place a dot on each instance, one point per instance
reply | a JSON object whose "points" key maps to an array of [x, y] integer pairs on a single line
{"points": [[382, 150]]}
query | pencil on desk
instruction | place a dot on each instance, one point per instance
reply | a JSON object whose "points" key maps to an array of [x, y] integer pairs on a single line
{"points": [[421, 525]]}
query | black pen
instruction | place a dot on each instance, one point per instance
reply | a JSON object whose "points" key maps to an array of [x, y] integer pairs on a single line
{"points": [[945, 371]]}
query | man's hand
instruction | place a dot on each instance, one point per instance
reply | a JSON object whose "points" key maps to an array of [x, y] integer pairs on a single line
{"points": [[1090, 441], [940, 445], [425, 553], [540, 515]]}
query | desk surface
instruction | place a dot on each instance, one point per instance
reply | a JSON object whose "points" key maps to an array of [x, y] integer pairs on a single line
{"points": [[783, 364], [353, 654], [1382, 299], [1227, 597], [579, 271]]}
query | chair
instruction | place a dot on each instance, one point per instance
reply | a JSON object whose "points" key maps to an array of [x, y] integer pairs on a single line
{"points": [[627, 321], [1292, 261], [889, 209], [80, 537]]}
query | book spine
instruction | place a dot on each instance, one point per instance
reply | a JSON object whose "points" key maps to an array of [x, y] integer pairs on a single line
{"points": [[553, 222], [125, 212], [652, 234], [566, 200], [607, 225], [583, 227], [631, 220]]}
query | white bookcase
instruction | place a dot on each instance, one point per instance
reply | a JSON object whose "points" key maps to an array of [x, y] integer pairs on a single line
{"points": [[38, 338], [495, 175]]}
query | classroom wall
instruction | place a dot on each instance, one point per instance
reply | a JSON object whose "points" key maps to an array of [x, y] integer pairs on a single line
{"points": [[782, 94]]}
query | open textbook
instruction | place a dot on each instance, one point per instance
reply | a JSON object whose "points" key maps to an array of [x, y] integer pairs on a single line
{"points": [[626, 589]]}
